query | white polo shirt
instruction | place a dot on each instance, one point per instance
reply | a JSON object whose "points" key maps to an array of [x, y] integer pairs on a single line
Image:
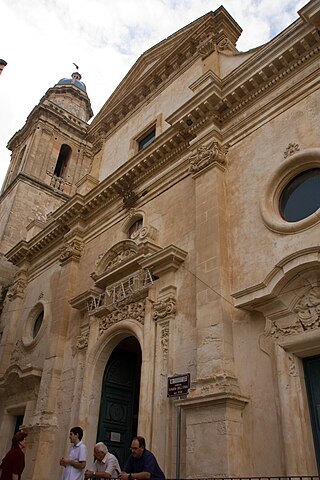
{"points": [[108, 464], [77, 453]]}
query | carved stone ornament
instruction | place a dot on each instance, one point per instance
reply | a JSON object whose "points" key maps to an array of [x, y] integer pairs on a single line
{"points": [[72, 251], [164, 308], [291, 149], [83, 340], [307, 317], [225, 46], [16, 290], [165, 341], [207, 45], [17, 354], [207, 155], [132, 311]]}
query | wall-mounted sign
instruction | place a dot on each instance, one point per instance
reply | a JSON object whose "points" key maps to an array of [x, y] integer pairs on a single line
{"points": [[178, 385]]}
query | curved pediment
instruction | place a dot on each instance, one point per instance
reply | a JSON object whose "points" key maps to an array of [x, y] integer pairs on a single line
{"points": [[118, 254], [121, 260]]}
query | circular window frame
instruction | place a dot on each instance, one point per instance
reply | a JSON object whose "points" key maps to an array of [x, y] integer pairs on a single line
{"points": [[270, 202], [28, 340]]}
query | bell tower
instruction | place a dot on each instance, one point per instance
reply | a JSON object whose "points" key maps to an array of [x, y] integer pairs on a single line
{"points": [[50, 154]]}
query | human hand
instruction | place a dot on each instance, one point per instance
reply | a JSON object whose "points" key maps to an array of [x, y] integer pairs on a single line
{"points": [[124, 476], [88, 474]]}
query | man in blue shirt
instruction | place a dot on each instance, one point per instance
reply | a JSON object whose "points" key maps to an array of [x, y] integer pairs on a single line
{"points": [[142, 464]]}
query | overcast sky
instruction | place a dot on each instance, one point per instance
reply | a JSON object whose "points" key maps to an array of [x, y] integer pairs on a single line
{"points": [[40, 40]]}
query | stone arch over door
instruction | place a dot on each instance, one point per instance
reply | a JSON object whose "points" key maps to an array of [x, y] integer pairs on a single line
{"points": [[289, 299], [119, 406], [100, 348]]}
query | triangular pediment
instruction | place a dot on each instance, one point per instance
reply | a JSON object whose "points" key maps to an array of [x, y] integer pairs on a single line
{"points": [[165, 59]]}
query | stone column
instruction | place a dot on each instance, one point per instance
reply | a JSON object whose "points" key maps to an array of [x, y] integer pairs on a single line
{"points": [[215, 369]]}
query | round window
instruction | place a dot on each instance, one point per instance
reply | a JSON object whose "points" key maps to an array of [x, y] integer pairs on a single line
{"points": [[301, 197], [37, 325]]}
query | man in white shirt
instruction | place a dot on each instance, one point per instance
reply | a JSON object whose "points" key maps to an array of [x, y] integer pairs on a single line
{"points": [[76, 461], [105, 465]]}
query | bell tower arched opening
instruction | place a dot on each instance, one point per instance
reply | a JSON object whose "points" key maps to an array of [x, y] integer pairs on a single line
{"points": [[119, 406], [63, 159]]}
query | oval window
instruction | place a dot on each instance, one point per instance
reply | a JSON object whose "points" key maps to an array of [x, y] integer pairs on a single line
{"points": [[301, 197], [37, 325]]}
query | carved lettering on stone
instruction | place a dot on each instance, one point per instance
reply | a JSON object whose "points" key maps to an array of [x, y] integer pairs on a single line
{"points": [[134, 311], [206, 155], [164, 308], [291, 149]]}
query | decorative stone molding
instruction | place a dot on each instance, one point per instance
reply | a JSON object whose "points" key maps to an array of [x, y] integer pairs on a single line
{"points": [[83, 340], [291, 149], [17, 289], [132, 311], [164, 308], [295, 163], [18, 354], [71, 251], [116, 256], [164, 339], [206, 156], [129, 197], [207, 45], [307, 317]]}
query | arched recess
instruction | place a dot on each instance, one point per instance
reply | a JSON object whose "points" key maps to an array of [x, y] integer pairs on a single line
{"points": [[97, 362], [119, 406], [289, 299], [62, 161]]}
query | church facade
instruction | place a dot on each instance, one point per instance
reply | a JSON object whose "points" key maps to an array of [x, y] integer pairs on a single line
{"points": [[176, 235]]}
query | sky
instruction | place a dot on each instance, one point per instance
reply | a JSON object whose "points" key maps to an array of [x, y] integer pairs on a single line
{"points": [[40, 40]]}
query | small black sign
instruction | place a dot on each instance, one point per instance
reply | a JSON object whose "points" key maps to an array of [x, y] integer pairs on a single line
{"points": [[178, 385]]}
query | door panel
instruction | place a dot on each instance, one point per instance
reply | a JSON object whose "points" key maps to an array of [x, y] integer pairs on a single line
{"points": [[119, 402], [312, 376]]}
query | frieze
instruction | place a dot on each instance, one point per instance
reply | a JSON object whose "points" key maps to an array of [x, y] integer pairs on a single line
{"points": [[206, 155], [164, 308], [132, 311]]}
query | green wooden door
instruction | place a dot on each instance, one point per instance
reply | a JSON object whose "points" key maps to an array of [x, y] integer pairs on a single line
{"points": [[312, 376], [119, 406]]}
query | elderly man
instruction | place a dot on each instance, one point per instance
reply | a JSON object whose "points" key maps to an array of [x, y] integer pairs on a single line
{"points": [[105, 465]]}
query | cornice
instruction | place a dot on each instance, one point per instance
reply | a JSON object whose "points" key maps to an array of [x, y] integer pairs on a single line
{"points": [[43, 113], [268, 68]]}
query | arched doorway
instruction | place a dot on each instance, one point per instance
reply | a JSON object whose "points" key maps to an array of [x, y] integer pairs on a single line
{"points": [[119, 407]]}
